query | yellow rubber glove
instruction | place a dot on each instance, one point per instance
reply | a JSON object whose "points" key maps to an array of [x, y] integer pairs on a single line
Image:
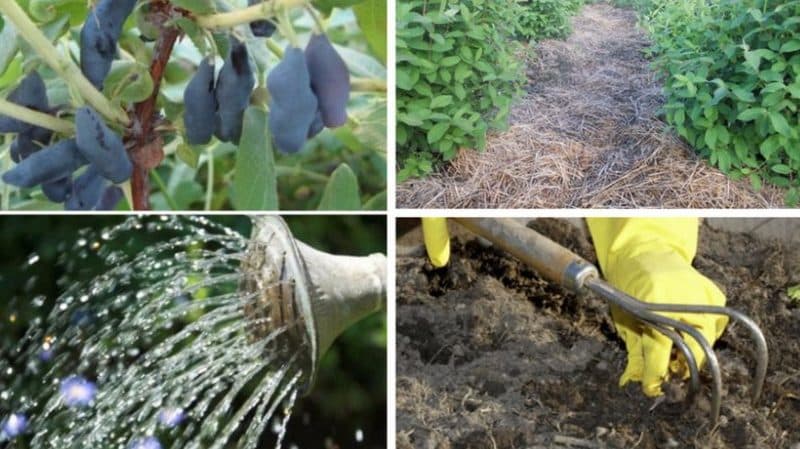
{"points": [[651, 260], [437, 240]]}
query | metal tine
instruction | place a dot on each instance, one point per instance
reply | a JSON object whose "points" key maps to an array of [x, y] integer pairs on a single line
{"points": [[677, 340], [762, 354], [638, 309]]}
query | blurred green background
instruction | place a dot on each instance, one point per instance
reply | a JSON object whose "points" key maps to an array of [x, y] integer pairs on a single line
{"points": [[349, 397]]}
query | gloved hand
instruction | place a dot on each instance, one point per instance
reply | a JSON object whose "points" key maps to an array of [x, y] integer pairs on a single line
{"points": [[651, 260], [437, 240]]}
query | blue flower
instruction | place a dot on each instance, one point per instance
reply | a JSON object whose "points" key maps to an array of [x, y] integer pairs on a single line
{"points": [[77, 391], [145, 443], [171, 417], [46, 355], [14, 425]]}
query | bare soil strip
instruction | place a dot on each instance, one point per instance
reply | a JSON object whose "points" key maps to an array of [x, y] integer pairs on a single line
{"points": [[489, 355], [586, 135]]}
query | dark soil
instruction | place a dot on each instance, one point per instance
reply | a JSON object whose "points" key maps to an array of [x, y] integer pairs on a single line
{"points": [[489, 355]]}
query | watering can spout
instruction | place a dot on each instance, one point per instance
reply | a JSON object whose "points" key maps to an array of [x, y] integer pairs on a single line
{"points": [[348, 289], [317, 294]]}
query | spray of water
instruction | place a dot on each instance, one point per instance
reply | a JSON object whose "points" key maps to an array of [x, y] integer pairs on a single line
{"points": [[174, 346]]}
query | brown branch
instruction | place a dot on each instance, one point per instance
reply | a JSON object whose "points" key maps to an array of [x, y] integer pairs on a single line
{"points": [[147, 152]]}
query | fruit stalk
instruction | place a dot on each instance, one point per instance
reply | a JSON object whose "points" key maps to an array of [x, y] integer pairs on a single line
{"points": [[37, 118], [145, 111], [63, 65], [265, 10]]}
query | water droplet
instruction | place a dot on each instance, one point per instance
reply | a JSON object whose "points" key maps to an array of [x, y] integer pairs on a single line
{"points": [[359, 435], [33, 258], [38, 301]]}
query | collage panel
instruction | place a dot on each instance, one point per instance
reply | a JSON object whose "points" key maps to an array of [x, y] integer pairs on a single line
{"points": [[154, 332], [193, 105], [618, 104], [597, 332]]}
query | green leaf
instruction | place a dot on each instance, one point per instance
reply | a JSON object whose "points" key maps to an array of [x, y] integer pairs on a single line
{"points": [[781, 169], [441, 101], [792, 199], [254, 178], [188, 155], [8, 45], [326, 6], [791, 46], [711, 138], [406, 78], [196, 6], [755, 181], [195, 33], [371, 16], [743, 95], [748, 115], [794, 90], [341, 192], [437, 132], [450, 61], [12, 73], [377, 202], [128, 82], [780, 124]]}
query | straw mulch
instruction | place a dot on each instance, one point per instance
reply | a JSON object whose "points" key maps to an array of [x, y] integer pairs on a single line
{"points": [[587, 135]]}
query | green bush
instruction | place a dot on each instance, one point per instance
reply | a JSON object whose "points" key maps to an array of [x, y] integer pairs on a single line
{"points": [[732, 81], [546, 19], [457, 73], [459, 69]]}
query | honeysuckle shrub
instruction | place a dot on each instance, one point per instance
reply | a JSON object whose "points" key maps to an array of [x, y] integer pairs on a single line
{"points": [[459, 67], [732, 83]]}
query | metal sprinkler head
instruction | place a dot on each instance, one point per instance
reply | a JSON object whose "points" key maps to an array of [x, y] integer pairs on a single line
{"points": [[303, 298]]}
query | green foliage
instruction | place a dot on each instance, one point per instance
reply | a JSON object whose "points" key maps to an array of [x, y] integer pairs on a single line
{"points": [[219, 175], [372, 19], [459, 70], [457, 74], [732, 77], [254, 180], [545, 19]]}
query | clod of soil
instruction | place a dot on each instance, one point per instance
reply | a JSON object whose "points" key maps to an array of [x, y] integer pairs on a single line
{"points": [[589, 133], [489, 355]]}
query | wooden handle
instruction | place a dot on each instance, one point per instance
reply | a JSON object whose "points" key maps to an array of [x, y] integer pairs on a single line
{"points": [[548, 258]]}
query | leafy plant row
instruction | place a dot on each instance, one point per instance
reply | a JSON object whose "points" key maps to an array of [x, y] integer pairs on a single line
{"points": [[458, 71], [732, 81]]}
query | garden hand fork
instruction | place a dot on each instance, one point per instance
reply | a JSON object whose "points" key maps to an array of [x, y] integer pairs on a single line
{"points": [[560, 265]]}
